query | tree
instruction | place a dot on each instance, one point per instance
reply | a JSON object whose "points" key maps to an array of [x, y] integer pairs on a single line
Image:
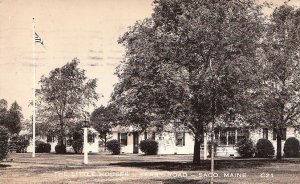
{"points": [[102, 120], [3, 111], [4, 136], [192, 61], [63, 97], [279, 102], [14, 118]]}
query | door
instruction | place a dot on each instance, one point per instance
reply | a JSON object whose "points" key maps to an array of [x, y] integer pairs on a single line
{"points": [[135, 142]]}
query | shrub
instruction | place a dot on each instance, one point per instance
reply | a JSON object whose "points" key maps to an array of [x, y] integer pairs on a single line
{"points": [[3, 142], [114, 147], [60, 149], [209, 147], [19, 143], [291, 147], [42, 147], [149, 147], [264, 148], [77, 142], [246, 148]]}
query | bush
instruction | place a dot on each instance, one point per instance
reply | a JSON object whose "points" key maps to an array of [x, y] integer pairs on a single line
{"points": [[20, 143], [264, 148], [245, 148], [209, 147], [60, 149], [291, 147], [77, 142], [42, 147], [114, 147], [3, 142], [149, 147]]}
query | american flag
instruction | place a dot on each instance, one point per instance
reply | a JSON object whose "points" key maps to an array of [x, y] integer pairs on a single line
{"points": [[38, 39]]}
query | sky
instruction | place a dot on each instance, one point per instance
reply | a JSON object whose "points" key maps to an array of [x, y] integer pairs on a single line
{"points": [[86, 29]]}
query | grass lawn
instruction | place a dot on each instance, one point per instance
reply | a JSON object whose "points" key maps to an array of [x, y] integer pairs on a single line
{"points": [[130, 169]]}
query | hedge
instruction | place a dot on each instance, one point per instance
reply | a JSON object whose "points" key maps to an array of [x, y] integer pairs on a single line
{"points": [[291, 147], [114, 146], [149, 147], [264, 149]]}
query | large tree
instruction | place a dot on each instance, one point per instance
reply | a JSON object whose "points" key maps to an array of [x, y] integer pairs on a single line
{"points": [[64, 97], [191, 61], [279, 101]]}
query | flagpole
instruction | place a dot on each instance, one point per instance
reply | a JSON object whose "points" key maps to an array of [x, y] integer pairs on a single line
{"points": [[33, 89]]}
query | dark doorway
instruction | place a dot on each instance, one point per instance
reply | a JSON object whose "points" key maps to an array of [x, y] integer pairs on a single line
{"points": [[135, 142]]}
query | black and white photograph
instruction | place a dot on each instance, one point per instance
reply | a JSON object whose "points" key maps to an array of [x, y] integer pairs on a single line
{"points": [[149, 91]]}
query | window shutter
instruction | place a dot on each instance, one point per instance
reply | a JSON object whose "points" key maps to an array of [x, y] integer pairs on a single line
{"points": [[153, 135], [265, 133], [125, 139], [183, 138], [119, 137], [274, 134], [283, 133]]}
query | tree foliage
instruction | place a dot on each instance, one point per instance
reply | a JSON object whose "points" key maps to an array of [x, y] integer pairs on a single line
{"points": [[102, 119], [279, 98], [11, 118], [192, 61], [63, 98], [14, 118], [4, 136]]}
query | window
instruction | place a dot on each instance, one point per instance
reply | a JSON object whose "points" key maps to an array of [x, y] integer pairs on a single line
{"points": [[69, 141], [282, 131], [50, 138], [122, 138], [153, 136], [265, 133], [180, 139], [223, 137], [242, 134], [216, 136], [231, 136], [91, 137]]}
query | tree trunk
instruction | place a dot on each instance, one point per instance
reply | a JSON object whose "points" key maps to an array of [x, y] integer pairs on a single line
{"points": [[105, 143], [196, 157], [62, 132], [278, 136]]}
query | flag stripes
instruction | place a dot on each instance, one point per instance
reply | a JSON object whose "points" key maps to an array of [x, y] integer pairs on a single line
{"points": [[38, 39]]}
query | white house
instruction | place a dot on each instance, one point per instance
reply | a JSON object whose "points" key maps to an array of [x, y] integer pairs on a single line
{"points": [[177, 142], [228, 137]]}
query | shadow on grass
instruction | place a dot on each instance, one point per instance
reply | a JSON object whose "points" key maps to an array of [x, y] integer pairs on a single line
{"points": [[204, 165]]}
